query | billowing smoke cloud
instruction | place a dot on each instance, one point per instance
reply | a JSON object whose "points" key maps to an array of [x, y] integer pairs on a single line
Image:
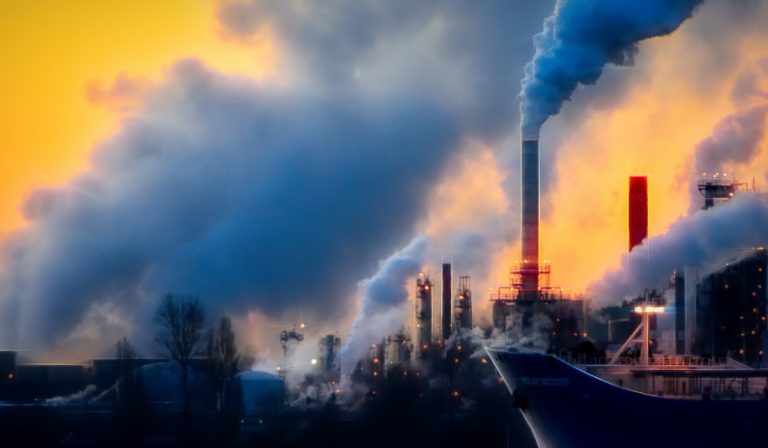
{"points": [[382, 311], [472, 50], [579, 39], [747, 87], [736, 139], [694, 241], [257, 196], [245, 196]]}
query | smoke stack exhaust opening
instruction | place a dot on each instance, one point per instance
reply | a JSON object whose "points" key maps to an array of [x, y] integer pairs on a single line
{"points": [[530, 218]]}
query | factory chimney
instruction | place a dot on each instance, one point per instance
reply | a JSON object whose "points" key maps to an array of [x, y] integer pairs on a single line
{"points": [[463, 308], [446, 304], [638, 210], [423, 334], [530, 219]]}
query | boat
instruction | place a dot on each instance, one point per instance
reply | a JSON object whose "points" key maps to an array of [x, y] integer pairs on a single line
{"points": [[650, 401]]}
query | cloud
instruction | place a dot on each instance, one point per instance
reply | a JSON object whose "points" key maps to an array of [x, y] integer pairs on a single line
{"points": [[123, 95], [580, 38], [219, 187], [735, 140], [473, 53], [268, 196]]}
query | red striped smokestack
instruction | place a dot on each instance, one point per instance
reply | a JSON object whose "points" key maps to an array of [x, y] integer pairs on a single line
{"points": [[530, 217], [638, 210]]}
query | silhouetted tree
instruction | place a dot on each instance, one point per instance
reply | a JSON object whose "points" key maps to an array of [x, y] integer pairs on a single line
{"points": [[126, 358], [180, 322], [222, 355], [124, 350], [129, 395], [223, 360]]}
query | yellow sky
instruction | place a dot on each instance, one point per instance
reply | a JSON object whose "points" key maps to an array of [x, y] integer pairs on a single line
{"points": [[53, 50], [653, 131]]}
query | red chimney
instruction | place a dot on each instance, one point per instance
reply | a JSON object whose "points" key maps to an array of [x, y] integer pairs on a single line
{"points": [[638, 210]]}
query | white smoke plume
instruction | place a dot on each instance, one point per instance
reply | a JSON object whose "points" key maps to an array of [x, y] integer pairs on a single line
{"points": [[736, 139], [382, 311], [698, 240], [76, 398], [579, 39], [301, 372], [265, 196]]}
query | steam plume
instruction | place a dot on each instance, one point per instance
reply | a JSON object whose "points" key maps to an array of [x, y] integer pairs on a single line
{"points": [[382, 311], [229, 189], [736, 139], [579, 39], [693, 241]]}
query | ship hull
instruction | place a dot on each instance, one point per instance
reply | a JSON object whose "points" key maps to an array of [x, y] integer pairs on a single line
{"points": [[567, 407]]}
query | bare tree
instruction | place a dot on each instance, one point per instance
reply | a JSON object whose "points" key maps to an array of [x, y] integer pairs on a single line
{"points": [[129, 396], [180, 322], [124, 351], [222, 355]]}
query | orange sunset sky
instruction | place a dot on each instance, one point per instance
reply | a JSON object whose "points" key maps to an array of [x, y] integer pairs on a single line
{"points": [[58, 57]]}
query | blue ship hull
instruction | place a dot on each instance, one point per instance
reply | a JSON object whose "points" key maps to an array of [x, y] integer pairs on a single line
{"points": [[567, 407]]}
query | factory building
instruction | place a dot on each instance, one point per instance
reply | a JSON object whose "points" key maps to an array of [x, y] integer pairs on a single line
{"points": [[529, 292], [423, 325], [731, 310], [330, 348], [717, 188], [7, 366], [397, 350], [678, 280], [29, 381], [562, 315], [462, 316]]}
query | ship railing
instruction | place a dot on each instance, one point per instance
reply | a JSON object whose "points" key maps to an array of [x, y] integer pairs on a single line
{"points": [[656, 360]]}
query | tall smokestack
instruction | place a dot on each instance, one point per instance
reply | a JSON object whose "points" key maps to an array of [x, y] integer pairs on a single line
{"points": [[423, 333], [446, 308], [530, 218], [638, 210]]}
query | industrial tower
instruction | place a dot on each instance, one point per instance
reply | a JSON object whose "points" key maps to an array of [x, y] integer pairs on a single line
{"points": [[462, 317], [423, 333]]}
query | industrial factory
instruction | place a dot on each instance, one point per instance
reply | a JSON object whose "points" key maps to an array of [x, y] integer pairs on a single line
{"points": [[438, 359]]}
